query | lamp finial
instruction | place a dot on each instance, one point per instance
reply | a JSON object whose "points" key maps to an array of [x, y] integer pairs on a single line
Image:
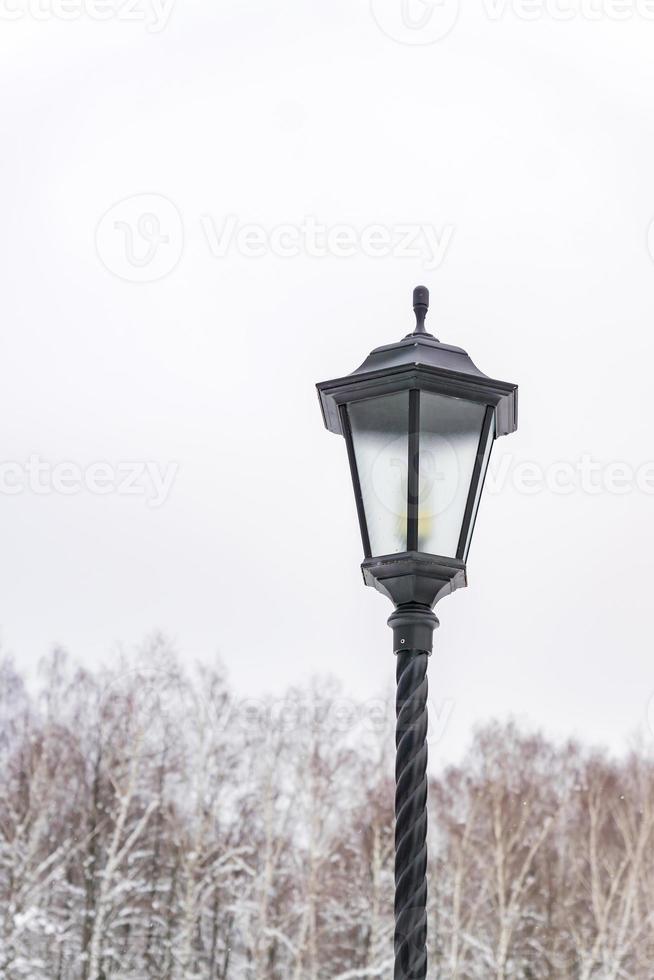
{"points": [[420, 307]]}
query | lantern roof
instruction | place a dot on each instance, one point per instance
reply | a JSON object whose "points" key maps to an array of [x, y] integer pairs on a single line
{"points": [[420, 360]]}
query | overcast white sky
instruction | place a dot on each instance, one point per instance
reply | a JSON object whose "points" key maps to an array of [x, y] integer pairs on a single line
{"points": [[142, 324]]}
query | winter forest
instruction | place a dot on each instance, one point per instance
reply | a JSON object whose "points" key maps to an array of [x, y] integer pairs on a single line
{"points": [[152, 825]]}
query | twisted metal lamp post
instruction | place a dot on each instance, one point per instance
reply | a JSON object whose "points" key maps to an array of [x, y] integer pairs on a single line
{"points": [[419, 421]]}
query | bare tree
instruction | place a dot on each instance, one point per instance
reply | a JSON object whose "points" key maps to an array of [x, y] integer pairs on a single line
{"points": [[152, 826]]}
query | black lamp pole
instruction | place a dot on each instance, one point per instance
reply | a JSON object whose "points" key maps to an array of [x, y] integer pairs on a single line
{"points": [[411, 817], [419, 420], [413, 627]]}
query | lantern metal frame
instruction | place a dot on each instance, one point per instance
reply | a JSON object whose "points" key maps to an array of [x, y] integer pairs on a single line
{"points": [[419, 363]]}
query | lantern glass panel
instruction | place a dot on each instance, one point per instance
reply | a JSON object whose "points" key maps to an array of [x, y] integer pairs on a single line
{"points": [[380, 436], [450, 431], [484, 459]]}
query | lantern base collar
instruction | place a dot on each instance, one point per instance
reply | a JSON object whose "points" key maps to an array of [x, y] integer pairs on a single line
{"points": [[413, 577], [413, 629]]}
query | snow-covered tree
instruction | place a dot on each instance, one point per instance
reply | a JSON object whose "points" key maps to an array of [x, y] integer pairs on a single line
{"points": [[152, 825]]}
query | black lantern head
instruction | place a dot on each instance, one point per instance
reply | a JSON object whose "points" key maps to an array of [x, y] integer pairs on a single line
{"points": [[419, 421]]}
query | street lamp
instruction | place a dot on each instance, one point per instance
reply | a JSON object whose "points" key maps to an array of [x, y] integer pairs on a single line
{"points": [[419, 421]]}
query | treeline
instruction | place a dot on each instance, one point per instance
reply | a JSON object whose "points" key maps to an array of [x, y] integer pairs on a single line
{"points": [[153, 826]]}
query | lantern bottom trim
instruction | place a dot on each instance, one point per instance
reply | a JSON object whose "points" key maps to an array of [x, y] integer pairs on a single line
{"points": [[414, 577]]}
